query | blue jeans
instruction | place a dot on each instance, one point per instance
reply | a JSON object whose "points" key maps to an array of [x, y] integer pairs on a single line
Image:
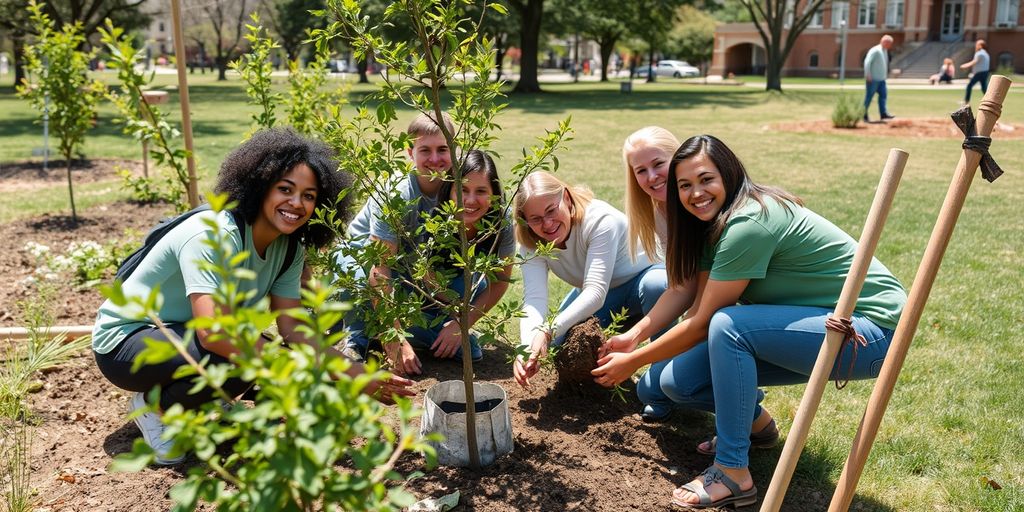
{"points": [[870, 88], [750, 346], [638, 296], [421, 337], [980, 77]]}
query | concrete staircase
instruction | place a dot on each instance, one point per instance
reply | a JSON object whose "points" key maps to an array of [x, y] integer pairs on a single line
{"points": [[922, 60]]}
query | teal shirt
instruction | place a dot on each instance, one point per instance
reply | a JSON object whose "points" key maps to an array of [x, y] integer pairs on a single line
{"points": [[798, 258], [171, 265]]}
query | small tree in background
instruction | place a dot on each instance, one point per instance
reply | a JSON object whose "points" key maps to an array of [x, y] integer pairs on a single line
{"points": [[59, 86]]}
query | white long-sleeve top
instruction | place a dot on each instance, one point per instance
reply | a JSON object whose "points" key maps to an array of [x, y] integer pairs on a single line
{"points": [[595, 259]]}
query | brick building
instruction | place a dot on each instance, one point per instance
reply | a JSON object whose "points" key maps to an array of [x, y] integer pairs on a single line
{"points": [[925, 31]]}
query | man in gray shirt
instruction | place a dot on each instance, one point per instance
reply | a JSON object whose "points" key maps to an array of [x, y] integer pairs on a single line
{"points": [[876, 69], [981, 64]]}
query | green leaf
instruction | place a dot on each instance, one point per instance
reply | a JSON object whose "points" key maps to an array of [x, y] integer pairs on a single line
{"points": [[134, 461]]}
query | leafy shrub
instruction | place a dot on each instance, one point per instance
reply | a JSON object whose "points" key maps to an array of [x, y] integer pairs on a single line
{"points": [[87, 261], [847, 112], [313, 440]]}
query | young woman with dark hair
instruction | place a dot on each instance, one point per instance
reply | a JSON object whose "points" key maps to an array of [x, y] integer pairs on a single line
{"points": [[278, 179], [489, 228], [769, 273]]}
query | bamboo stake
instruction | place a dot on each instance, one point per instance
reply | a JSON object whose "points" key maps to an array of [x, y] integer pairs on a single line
{"points": [[989, 110], [186, 115], [866, 246], [21, 333]]}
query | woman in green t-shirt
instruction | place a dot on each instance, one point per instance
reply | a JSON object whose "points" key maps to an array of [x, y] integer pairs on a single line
{"points": [[769, 273], [278, 179]]}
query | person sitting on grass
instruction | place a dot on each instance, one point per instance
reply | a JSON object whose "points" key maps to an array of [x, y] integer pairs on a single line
{"points": [[278, 179], [646, 154], [758, 246], [590, 252], [489, 228], [945, 74]]}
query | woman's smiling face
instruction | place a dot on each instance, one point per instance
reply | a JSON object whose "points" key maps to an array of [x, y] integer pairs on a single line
{"points": [[549, 217], [701, 189], [650, 168], [476, 197]]}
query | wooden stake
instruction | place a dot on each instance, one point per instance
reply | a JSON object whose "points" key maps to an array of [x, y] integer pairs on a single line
{"points": [[988, 113], [186, 115], [797, 437]]}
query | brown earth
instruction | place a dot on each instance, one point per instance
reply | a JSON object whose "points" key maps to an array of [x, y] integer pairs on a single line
{"points": [[28, 175], [927, 128], [578, 354], [576, 448]]}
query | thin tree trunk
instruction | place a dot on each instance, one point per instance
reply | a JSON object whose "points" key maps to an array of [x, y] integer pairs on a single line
{"points": [[71, 190], [499, 54], [606, 54], [651, 77], [222, 68], [362, 66], [18, 41]]}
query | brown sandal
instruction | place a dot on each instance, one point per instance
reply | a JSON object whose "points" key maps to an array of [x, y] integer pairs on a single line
{"points": [[737, 498], [767, 437]]}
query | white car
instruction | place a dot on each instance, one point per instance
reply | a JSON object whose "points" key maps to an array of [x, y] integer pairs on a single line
{"points": [[676, 69]]}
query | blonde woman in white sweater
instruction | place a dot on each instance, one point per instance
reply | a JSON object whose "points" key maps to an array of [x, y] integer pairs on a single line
{"points": [[591, 253]]}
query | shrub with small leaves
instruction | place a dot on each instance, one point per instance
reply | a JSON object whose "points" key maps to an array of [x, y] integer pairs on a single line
{"points": [[847, 112], [313, 440]]}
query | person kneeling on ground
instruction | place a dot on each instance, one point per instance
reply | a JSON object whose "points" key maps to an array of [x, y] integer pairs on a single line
{"points": [[278, 179]]}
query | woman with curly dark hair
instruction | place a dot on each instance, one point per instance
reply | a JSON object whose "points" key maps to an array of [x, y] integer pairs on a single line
{"points": [[278, 180]]}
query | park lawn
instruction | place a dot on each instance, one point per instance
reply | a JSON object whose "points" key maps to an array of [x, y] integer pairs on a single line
{"points": [[954, 418]]}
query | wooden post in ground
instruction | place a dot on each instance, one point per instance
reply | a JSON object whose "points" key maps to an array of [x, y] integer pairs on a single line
{"points": [[988, 112], [869, 237], [186, 115]]}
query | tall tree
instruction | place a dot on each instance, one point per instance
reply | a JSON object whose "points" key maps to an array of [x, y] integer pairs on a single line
{"points": [[653, 29], [501, 29], [600, 20], [90, 13], [290, 20], [779, 25], [531, 13], [220, 22], [693, 36]]}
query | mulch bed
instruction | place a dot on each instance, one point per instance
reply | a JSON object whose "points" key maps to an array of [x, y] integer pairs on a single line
{"points": [[923, 128]]}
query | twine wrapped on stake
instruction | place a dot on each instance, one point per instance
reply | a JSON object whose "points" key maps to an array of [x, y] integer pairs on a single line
{"points": [[989, 111], [836, 338]]}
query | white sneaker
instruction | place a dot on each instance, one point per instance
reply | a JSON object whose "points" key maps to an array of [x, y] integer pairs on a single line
{"points": [[152, 432]]}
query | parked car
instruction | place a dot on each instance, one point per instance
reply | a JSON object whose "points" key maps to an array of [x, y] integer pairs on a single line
{"points": [[676, 69]]}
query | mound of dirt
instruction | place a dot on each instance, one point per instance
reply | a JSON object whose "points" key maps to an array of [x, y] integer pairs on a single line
{"points": [[578, 355], [913, 128]]}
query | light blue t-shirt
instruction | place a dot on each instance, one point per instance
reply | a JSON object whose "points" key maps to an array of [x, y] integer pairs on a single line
{"points": [[981, 61], [370, 220], [876, 63], [171, 265]]}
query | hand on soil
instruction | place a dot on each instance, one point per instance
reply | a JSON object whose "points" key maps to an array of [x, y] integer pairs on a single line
{"points": [[404, 358], [448, 341], [613, 368], [386, 390], [617, 343]]}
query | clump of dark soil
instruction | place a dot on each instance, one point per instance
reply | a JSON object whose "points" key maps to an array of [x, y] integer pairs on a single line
{"points": [[578, 355]]}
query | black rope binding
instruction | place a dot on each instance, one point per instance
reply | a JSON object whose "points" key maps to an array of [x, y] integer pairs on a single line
{"points": [[964, 119]]}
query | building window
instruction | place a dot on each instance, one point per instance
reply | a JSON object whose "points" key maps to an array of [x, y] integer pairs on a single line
{"points": [[816, 18], [790, 13], [894, 13], [813, 60], [1006, 12], [866, 13], [840, 13]]}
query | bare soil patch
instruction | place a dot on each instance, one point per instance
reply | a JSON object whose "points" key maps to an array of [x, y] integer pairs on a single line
{"points": [[29, 175], [578, 354], [577, 448], [75, 305], [925, 128]]}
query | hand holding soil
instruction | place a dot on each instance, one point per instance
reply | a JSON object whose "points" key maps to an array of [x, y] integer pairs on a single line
{"points": [[578, 355]]}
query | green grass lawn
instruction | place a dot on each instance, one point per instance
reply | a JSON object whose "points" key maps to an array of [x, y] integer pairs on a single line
{"points": [[953, 419]]}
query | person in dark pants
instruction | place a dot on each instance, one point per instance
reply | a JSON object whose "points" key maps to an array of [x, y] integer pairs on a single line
{"points": [[980, 64], [278, 179], [876, 69]]}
